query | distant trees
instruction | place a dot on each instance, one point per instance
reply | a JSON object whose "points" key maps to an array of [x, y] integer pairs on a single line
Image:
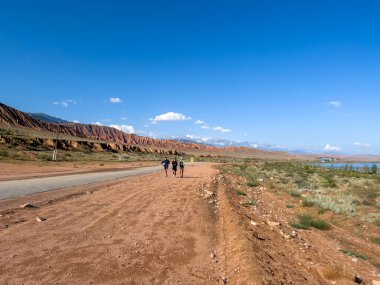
{"points": [[374, 169]]}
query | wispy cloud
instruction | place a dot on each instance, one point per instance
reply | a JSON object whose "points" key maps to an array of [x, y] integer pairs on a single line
{"points": [[205, 127], [76, 122], [199, 122], [115, 100], [124, 128], [329, 147], [170, 116], [65, 103], [197, 138], [97, 123], [221, 129], [361, 145], [335, 104]]}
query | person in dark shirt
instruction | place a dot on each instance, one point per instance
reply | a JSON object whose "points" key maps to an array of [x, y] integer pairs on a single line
{"points": [[181, 167], [174, 166], [166, 163]]}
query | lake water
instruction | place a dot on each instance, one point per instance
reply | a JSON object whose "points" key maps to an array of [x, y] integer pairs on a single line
{"points": [[357, 166]]}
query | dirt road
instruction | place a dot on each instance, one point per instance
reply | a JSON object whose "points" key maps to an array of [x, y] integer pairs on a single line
{"points": [[145, 230], [149, 229]]}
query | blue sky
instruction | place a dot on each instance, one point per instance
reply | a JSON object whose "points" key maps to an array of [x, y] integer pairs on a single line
{"points": [[299, 74]]}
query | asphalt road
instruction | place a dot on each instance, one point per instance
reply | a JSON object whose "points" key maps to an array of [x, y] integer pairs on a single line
{"points": [[16, 188]]}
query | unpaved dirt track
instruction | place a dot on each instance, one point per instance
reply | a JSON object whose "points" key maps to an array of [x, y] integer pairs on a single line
{"points": [[16, 188], [146, 229]]}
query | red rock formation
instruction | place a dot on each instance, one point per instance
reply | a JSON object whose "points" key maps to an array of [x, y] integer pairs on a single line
{"points": [[9, 115]]}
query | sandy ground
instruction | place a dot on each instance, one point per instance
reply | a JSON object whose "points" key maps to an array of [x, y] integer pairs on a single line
{"points": [[143, 230], [149, 229]]}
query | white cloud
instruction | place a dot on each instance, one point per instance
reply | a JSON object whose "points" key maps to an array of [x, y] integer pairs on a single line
{"points": [[221, 129], [98, 123], [192, 137], [329, 147], [360, 144], [335, 104], [115, 100], [170, 116], [106, 120], [76, 122], [199, 122], [254, 145], [197, 139], [124, 128], [65, 103], [205, 127], [124, 118]]}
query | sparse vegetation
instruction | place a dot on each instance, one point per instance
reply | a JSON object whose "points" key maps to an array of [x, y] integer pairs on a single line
{"points": [[289, 206], [354, 254], [376, 240], [250, 203], [307, 203], [295, 193], [329, 181], [4, 153], [241, 193], [44, 156], [305, 222], [320, 225], [253, 183]]}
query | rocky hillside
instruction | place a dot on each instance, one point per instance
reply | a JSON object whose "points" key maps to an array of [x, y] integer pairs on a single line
{"points": [[9, 115]]}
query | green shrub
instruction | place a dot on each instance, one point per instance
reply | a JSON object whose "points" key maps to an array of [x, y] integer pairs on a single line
{"points": [[307, 203], [306, 221], [354, 254], [253, 183], [45, 157], [4, 153], [289, 206], [320, 225], [377, 222], [294, 193], [329, 182], [300, 226], [240, 193], [321, 211]]}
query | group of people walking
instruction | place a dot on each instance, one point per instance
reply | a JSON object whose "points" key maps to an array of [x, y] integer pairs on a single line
{"points": [[175, 163]]}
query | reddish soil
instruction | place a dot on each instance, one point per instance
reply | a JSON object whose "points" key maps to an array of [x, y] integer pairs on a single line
{"points": [[150, 229], [311, 256]]}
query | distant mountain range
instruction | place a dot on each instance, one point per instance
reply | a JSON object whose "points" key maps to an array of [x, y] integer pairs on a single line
{"points": [[14, 117], [225, 143], [47, 118]]}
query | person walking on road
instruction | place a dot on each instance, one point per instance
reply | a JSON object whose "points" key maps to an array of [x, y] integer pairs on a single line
{"points": [[181, 167], [166, 163], [174, 166]]}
